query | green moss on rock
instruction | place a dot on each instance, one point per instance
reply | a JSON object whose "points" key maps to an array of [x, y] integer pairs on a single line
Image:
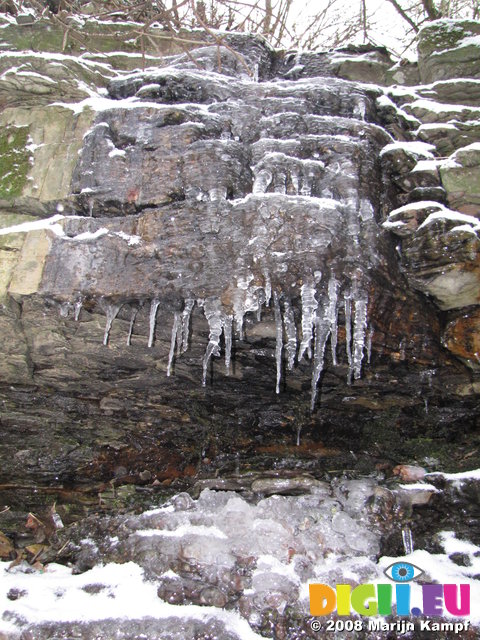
{"points": [[14, 161]]}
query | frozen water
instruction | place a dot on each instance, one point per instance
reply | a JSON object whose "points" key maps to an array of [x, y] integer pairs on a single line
{"points": [[132, 322], [309, 307], [77, 308], [153, 320], [177, 324], [407, 540], [290, 332], [212, 309], [348, 334], [325, 325], [227, 332], [279, 339], [186, 314], [262, 181], [111, 311], [359, 329]]}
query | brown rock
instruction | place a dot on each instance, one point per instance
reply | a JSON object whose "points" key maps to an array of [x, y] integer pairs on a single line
{"points": [[409, 473], [462, 337]]}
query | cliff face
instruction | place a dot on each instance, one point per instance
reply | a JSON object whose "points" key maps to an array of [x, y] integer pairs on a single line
{"points": [[199, 261]]}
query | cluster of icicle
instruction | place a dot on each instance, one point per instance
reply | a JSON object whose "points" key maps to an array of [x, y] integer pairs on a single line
{"points": [[319, 323]]}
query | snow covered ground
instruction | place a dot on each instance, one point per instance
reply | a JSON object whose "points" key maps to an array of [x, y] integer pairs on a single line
{"points": [[210, 528]]}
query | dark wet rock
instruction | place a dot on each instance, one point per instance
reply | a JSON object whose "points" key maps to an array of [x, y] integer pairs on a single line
{"points": [[215, 195]]}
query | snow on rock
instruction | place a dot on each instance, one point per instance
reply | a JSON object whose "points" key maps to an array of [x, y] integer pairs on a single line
{"points": [[417, 148]]}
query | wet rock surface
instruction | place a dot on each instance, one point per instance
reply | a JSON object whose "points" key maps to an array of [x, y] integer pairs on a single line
{"points": [[274, 259], [244, 271]]}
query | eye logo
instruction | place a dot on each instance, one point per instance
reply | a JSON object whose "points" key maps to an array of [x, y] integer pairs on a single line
{"points": [[402, 572]]}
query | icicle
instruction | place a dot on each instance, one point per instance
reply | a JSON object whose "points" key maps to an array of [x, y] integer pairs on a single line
{"points": [[64, 309], [239, 314], [77, 308], [280, 183], [153, 318], [260, 301], [217, 193], [179, 335], [290, 332], [111, 310], [348, 335], [306, 189], [322, 331], [132, 322], [309, 307], [359, 330], [186, 314], [279, 339], [333, 316], [407, 539], [177, 323], [227, 332], [262, 181], [369, 344], [324, 323], [295, 181], [214, 315], [268, 289]]}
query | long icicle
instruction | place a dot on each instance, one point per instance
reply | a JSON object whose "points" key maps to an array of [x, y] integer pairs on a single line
{"points": [[333, 311], [132, 322], [290, 332], [186, 315], [227, 333], [309, 307], [348, 334], [359, 330], [279, 339], [325, 326], [322, 331], [111, 311], [214, 315], [153, 318], [174, 338]]}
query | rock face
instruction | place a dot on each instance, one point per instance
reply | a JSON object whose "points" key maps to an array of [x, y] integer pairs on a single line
{"points": [[194, 264]]}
